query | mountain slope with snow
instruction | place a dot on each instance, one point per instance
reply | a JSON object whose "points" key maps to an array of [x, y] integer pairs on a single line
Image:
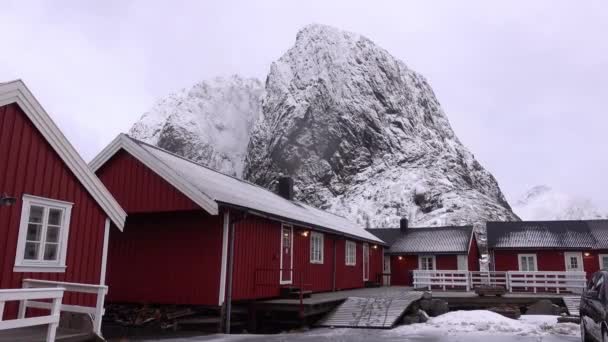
{"points": [[544, 203], [209, 123], [364, 136]]}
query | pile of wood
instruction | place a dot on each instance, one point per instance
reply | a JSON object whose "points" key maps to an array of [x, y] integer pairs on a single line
{"points": [[130, 315]]}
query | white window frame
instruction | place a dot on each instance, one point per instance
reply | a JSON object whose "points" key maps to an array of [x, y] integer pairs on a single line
{"points": [[420, 257], [350, 253], [601, 262], [579, 259], [55, 266], [519, 256], [386, 264], [317, 244]]}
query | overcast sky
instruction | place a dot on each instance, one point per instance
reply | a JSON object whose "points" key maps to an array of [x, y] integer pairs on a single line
{"points": [[524, 84]]}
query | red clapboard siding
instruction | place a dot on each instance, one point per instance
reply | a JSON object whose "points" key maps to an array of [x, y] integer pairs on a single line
{"points": [[547, 260], [348, 277], [29, 165], [474, 256], [319, 277], [401, 269], [139, 189], [166, 258], [257, 248], [446, 261]]}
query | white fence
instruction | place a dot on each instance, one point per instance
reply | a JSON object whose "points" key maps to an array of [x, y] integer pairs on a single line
{"points": [[95, 312], [513, 281], [26, 295]]}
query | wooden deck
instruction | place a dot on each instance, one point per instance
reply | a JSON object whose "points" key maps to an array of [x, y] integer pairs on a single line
{"points": [[371, 312], [38, 334], [573, 304], [327, 297]]}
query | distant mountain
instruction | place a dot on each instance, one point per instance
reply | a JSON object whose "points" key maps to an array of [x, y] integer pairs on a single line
{"points": [[364, 136], [544, 203], [209, 123]]}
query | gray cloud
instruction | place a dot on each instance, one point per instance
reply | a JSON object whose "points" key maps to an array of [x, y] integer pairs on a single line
{"points": [[523, 83]]}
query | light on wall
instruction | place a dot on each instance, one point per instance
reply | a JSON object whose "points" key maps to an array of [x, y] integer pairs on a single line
{"points": [[7, 201], [375, 246], [400, 257], [305, 233], [587, 254]]}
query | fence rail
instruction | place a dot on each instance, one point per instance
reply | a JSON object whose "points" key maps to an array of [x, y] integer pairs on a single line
{"points": [[513, 281], [55, 295], [95, 312]]}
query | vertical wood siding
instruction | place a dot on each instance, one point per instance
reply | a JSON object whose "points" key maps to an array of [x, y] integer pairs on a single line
{"points": [[474, 255], [29, 165], [166, 258], [139, 189], [401, 269], [447, 262]]}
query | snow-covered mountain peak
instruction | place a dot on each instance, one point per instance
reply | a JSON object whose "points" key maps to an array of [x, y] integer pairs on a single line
{"points": [[209, 122], [362, 134], [545, 203]]}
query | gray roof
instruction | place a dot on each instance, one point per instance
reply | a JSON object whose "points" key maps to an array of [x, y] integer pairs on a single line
{"points": [[599, 230], [437, 240], [543, 234]]}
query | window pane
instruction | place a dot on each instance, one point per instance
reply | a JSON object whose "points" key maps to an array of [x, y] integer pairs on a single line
{"points": [[36, 214], [31, 251], [50, 251], [55, 216], [33, 232], [52, 234]]}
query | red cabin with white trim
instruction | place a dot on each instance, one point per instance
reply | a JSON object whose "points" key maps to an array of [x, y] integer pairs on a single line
{"points": [[57, 214], [186, 221]]}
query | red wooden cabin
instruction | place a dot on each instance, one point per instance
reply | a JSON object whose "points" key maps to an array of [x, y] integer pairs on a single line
{"points": [[548, 246], [186, 220], [57, 228], [427, 248]]}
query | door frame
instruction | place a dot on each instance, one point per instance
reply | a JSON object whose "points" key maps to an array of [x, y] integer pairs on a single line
{"points": [[464, 259], [290, 281], [579, 255], [365, 261]]}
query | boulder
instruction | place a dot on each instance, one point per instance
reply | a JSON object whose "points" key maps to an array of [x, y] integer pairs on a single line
{"points": [[510, 311], [438, 307], [425, 304], [544, 307]]}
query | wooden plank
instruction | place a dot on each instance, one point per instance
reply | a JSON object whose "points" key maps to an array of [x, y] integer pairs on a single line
{"points": [[371, 312], [572, 303]]}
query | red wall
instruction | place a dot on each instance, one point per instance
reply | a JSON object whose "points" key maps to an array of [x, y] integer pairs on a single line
{"points": [[139, 189], [166, 258], [401, 269], [29, 165], [547, 260], [474, 255]]}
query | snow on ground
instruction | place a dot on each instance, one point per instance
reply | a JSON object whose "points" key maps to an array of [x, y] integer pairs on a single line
{"points": [[471, 326]]}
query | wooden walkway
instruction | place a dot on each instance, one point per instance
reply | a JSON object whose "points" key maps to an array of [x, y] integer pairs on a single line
{"points": [[573, 304], [370, 312], [38, 334]]}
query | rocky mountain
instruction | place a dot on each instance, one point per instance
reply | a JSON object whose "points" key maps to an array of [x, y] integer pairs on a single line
{"points": [[364, 136], [544, 203], [209, 122]]}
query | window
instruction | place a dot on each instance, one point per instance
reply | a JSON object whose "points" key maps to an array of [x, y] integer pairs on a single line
{"points": [[426, 262], [527, 262], [43, 235], [316, 248], [387, 264], [351, 253], [603, 261]]}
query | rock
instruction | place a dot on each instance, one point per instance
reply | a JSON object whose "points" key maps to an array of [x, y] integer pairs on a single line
{"points": [[427, 295], [510, 311], [569, 319], [423, 316], [544, 307], [438, 307], [425, 304]]}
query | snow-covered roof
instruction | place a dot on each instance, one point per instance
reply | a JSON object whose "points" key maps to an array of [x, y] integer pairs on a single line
{"points": [[541, 234], [450, 239], [17, 92], [210, 189]]}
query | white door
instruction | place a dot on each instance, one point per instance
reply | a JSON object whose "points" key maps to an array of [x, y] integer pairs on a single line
{"points": [[286, 255], [574, 261], [463, 263]]}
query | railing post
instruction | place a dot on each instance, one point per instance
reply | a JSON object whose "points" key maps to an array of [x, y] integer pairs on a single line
{"points": [[509, 285], [55, 312], [101, 295], [23, 303], [1, 310]]}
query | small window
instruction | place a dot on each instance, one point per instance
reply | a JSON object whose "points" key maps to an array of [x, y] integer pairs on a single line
{"points": [[43, 235], [603, 261], [351, 253], [316, 248], [426, 262], [527, 262]]}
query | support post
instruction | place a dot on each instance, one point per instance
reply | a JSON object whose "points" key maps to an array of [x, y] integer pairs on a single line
{"points": [[229, 280], [1, 310], [55, 312], [101, 295]]}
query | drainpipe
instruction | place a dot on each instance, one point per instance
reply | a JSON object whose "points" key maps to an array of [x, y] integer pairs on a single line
{"points": [[230, 274]]}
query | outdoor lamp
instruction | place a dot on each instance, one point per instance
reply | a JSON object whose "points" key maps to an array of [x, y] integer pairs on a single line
{"points": [[7, 201]]}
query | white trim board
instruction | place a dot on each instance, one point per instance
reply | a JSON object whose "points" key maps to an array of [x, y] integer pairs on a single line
{"points": [[224, 261], [125, 143], [17, 92]]}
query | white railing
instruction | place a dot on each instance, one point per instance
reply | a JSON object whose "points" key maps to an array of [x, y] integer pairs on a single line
{"points": [[96, 312], [513, 281], [443, 279], [494, 279], [547, 281], [25, 295]]}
